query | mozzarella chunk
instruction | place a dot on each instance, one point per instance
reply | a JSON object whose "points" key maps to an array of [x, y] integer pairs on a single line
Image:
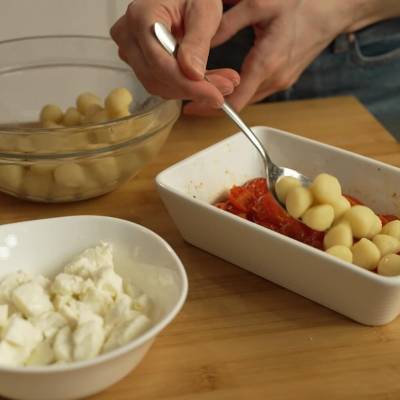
{"points": [[342, 252], [130, 289], [389, 265], [126, 331], [366, 254], [62, 346], [3, 315], [326, 189], [88, 339], [42, 281], [120, 311], [96, 299], [31, 299], [73, 310], [66, 284], [11, 355], [88, 262], [45, 322], [49, 323], [10, 282], [142, 303], [284, 185], [298, 200], [43, 354], [106, 279], [21, 332]]}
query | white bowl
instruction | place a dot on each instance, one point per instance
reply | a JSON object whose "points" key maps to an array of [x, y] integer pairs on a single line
{"points": [[44, 246], [189, 188]]}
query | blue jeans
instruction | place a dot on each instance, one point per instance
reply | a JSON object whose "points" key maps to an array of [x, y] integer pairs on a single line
{"points": [[365, 65]]}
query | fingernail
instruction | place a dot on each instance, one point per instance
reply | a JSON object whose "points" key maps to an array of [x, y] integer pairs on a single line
{"points": [[226, 90], [214, 103], [198, 65], [236, 82]]}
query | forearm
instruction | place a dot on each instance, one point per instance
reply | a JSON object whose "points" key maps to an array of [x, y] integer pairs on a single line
{"points": [[367, 12]]}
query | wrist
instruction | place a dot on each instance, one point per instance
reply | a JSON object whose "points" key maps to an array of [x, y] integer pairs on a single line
{"points": [[368, 12]]}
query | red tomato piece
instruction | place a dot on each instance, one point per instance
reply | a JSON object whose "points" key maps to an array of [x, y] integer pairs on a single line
{"points": [[267, 210], [241, 198], [221, 204], [234, 210], [353, 201], [385, 218], [257, 186]]}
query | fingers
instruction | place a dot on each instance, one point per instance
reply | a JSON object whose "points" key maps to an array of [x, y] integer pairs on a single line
{"points": [[202, 19], [201, 109], [243, 14], [158, 71]]}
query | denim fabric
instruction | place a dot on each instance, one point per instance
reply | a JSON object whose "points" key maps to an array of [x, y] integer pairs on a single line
{"points": [[365, 64]]}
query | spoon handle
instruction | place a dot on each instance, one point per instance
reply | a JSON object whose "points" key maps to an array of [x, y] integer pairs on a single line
{"points": [[169, 43], [226, 107]]}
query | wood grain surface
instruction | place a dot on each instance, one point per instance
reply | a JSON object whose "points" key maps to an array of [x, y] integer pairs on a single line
{"points": [[239, 336]]}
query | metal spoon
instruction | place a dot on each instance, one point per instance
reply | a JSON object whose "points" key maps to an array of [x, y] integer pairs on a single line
{"points": [[273, 171]]}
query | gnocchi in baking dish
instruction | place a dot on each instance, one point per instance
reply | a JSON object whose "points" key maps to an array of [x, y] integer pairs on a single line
{"points": [[322, 216]]}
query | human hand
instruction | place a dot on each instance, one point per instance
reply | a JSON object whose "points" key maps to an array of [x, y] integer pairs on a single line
{"points": [[194, 23], [290, 34]]}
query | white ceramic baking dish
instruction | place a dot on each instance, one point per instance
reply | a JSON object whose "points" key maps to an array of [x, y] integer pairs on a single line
{"points": [[190, 187]]}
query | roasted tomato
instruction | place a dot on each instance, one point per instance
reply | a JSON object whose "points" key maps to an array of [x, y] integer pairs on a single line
{"points": [[353, 201], [241, 198], [385, 218]]}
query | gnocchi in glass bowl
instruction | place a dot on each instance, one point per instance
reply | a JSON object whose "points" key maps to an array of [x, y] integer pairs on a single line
{"points": [[79, 154]]}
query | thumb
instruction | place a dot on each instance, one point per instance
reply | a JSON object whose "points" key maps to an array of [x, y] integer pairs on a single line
{"points": [[201, 21]]}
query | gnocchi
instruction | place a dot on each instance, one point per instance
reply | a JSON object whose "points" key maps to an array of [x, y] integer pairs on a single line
{"points": [[88, 103], [72, 117], [284, 185], [386, 244], [51, 113], [340, 206], [326, 219], [298, 200], [326, 189], [70, 175], [365, 254], [341, 252], [389, 265], [319, 217], [392, 228], [117, 102], [339, 235], [362, 221]]}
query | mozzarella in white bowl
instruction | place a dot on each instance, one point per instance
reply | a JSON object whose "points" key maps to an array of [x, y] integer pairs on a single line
{"points": [[43, 248]]}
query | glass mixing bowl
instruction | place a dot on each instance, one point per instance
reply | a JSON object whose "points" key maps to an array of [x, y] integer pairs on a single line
{"points": [[67, 164]]}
